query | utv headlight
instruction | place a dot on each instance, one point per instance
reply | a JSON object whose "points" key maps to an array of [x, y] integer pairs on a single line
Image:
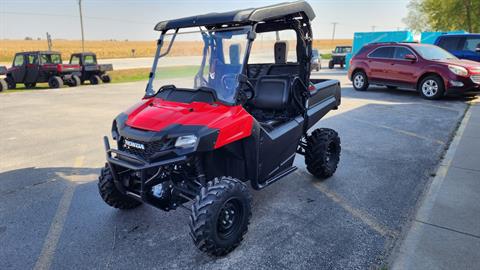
{"points": [[186, 141], [460, 71]]}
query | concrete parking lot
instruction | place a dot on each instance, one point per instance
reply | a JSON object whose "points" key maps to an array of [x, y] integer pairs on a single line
{"points": [[51, 215]]}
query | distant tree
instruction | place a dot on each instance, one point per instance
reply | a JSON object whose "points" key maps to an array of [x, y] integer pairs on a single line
{"points": [[416, 19], [28, 38], [444, 15]]}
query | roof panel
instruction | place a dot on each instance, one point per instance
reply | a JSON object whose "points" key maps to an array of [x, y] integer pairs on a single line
{"points": [[244, 16]]}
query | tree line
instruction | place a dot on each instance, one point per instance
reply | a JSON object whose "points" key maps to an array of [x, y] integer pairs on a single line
{"points": [[443, 15]]}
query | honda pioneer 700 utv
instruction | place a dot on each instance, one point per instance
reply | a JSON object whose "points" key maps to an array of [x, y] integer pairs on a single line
{"points": [[238, 119]]}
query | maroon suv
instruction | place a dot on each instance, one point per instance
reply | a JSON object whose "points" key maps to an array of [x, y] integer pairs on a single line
{"points": [[429, 69]]}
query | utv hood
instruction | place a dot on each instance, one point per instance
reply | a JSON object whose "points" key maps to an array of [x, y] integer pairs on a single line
{"points": [[157, 114], [231, 123]]}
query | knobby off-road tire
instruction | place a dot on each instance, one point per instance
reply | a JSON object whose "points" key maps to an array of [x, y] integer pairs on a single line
{"points": [[110, 194], [55, 82], [106, 78], [3, 85], [322, 153], [220, 216], [11, 82], [95, 79], [75, 81]]}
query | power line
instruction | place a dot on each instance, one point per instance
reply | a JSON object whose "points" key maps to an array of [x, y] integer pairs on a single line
{"points": [[75, 16]]}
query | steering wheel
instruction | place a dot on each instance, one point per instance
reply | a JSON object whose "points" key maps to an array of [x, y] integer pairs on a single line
{"points": [[229, 82]]}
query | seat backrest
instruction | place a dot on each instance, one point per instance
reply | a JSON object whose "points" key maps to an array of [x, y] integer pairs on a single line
{"points": [[272, 93], [281, 52]]}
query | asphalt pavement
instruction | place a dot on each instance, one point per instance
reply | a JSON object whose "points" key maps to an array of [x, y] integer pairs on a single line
{"points": [[51, 216], [445, 232]]}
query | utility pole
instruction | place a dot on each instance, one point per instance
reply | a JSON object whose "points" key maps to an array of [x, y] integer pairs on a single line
{"points": [[49, 42], [334, 28], [81, 24]]}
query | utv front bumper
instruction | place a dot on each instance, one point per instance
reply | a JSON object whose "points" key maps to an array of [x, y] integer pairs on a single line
{"points": [[120, 161]]}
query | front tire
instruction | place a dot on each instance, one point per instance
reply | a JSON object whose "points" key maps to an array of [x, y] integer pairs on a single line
{"points": [[75, 81], [111, 195], [431, 87], [322, 153], [360, 81], [95, 79], [220, 216], [106, 78], [331, 65], [55, 82]]}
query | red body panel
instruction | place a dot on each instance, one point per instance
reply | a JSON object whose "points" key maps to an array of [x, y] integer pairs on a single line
{"points": [[233, 122]]}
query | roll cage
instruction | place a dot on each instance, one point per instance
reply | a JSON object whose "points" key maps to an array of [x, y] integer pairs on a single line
{"points": [[294, 16]]}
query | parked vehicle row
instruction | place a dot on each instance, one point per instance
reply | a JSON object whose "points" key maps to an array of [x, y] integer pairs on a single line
{"points": [[35, 67], [429, 69]]}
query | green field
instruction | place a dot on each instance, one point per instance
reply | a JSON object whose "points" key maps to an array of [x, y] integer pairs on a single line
{"points": [[128, 75]]}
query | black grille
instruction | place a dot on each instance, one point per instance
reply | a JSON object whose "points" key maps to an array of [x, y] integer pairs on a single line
{"points": [[151, 148]]}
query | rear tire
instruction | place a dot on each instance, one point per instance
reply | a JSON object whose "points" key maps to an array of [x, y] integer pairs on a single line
{"points": [[322, 153], [106, 78], [331, 65], [360, 81], [431, 87], [30, 85], [55, 82], [95, 79], [3, 85], [11, 83], [220, 216], [111, 195]]}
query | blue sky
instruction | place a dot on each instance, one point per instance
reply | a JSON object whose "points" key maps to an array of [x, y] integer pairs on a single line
{"points": [[135, 19]]}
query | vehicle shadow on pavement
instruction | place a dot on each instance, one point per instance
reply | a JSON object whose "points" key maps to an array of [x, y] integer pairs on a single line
{"points": [[394, 94]]}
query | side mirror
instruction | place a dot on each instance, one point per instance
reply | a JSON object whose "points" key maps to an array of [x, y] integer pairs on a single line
{"points": [[410, 57]]}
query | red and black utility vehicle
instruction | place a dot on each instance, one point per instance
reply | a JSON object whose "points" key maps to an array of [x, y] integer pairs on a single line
{"points": [[197, 141], [90, 69], [35, 67]]}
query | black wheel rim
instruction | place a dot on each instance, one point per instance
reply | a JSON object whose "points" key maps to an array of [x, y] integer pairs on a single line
{"points": [[230, 218]]}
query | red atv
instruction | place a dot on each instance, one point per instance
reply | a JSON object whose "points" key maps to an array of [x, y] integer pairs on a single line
{"points": [[199, 140]]}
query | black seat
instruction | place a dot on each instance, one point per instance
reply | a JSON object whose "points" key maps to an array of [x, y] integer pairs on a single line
{"points": [[272, 93], [281, 66]]}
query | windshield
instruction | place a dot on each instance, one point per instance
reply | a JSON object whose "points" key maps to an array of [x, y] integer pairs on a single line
{"points": [[430, 52], [343, 50], [51, 59], [201, 59]]}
